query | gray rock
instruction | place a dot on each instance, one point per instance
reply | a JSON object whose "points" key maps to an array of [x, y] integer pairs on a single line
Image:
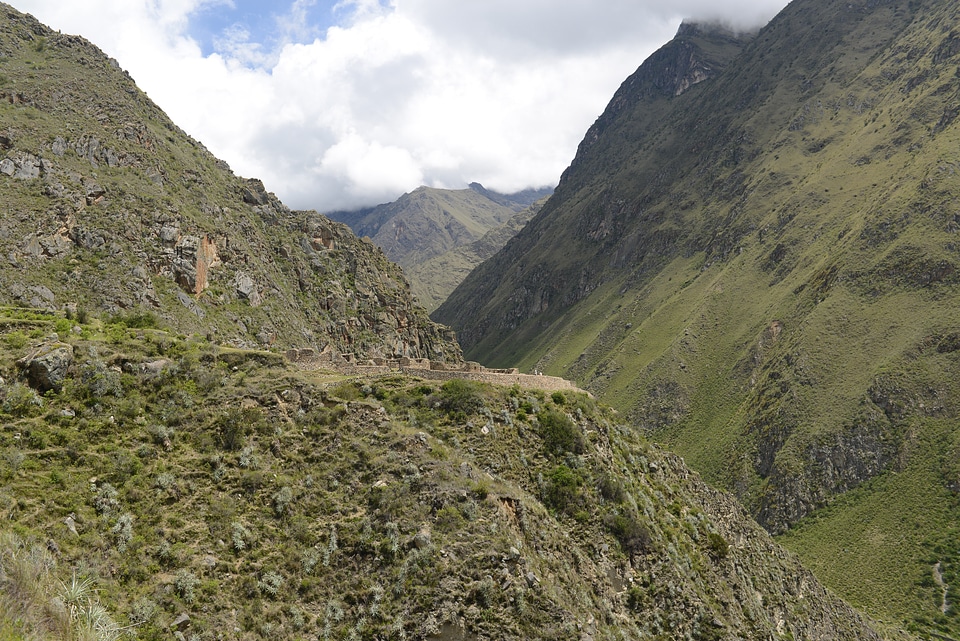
{"points": [[169, 235], [181, 622], [24, 167], [247, 288], [44, 293], [87, 238], [191, 304], [31, 246], [47, 366], [94, 192], [422, 539], [59, 146]]}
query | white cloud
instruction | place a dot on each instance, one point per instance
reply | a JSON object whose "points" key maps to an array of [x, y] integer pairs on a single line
{"points": [[410, 92]]}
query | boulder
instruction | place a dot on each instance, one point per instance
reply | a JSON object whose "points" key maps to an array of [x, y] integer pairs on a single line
{"points": [[46, 367], [247, 288]]}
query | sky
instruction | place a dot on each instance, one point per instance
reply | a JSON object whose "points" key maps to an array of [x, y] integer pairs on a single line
{"points": [[340, 104]]}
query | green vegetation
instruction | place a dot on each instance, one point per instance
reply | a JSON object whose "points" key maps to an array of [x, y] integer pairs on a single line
{"points": [[761, 273], [179, 477]]}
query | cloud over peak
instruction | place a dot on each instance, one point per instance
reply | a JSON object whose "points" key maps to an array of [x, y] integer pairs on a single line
{"points": [[343, 104]]}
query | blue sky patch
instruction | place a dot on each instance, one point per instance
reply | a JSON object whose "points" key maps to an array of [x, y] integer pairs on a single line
{"points": [[266, 23]]}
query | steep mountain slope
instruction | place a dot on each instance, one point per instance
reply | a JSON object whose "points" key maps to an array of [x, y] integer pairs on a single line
{"points": [[433, 280], [219, 493], [762, 271], [109, 206], [429, 222]]}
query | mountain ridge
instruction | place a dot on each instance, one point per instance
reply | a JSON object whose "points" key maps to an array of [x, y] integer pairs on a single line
{"points": [[761, 272], [431, 224]]}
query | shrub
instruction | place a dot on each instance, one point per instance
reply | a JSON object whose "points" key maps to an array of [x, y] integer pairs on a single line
{"points": [[122, 531], [186, 584], [239, 536], [20, 401], [559, 398], [136, 320], [634, 537], [235, 424], [282, 500], [611, 489], [636, 598], [562, 489], [270, 583], [461, 396], [560, 434], [100, 380], [106, 502], [449, 518], [717, 545]]}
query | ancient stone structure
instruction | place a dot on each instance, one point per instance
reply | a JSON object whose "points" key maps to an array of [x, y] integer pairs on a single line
{"points": [[424, 368]]}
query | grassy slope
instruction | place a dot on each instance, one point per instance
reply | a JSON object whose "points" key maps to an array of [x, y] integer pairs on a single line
{"points": [[270, 502], [830, 210]]}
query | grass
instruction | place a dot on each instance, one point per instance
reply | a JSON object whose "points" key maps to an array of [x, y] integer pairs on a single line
{"points": [[229, 486], [878, 544]]}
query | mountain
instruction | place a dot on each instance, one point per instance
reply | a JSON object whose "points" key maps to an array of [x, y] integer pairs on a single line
{"points": [[434, 279], [428, 223], [109, 207], [159, 478], [761, 270]]}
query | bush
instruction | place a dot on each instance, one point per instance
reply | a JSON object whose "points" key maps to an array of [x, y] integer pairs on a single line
{"points": [[235, 424], [100, 380], [562, 489], [20, 401], [270, 583], [717, 545], [282, 500], [136, 320], [186, 584], [560, 434], [633, 535], [559, 398], [461, 396]]}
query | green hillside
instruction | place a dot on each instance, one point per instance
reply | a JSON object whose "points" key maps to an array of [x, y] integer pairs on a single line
{"points": [[166, 473], [761, 272], [173, 485]]}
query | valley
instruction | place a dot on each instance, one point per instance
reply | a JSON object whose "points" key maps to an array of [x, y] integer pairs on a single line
{"points": [[223, 418]]}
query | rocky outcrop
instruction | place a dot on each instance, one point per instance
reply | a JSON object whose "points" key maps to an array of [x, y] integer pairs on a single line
{"points": [[194, 257], [46, 367]]}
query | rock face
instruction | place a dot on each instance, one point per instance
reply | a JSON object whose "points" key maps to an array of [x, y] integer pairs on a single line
{"points": [[195, 257], [111, 208], [46, 368]]}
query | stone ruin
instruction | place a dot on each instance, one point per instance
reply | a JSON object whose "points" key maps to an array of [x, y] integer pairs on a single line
{"points": [[349, 365]]}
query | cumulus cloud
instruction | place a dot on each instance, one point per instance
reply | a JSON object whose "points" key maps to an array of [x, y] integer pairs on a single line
{"points": [[396, 94]]}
